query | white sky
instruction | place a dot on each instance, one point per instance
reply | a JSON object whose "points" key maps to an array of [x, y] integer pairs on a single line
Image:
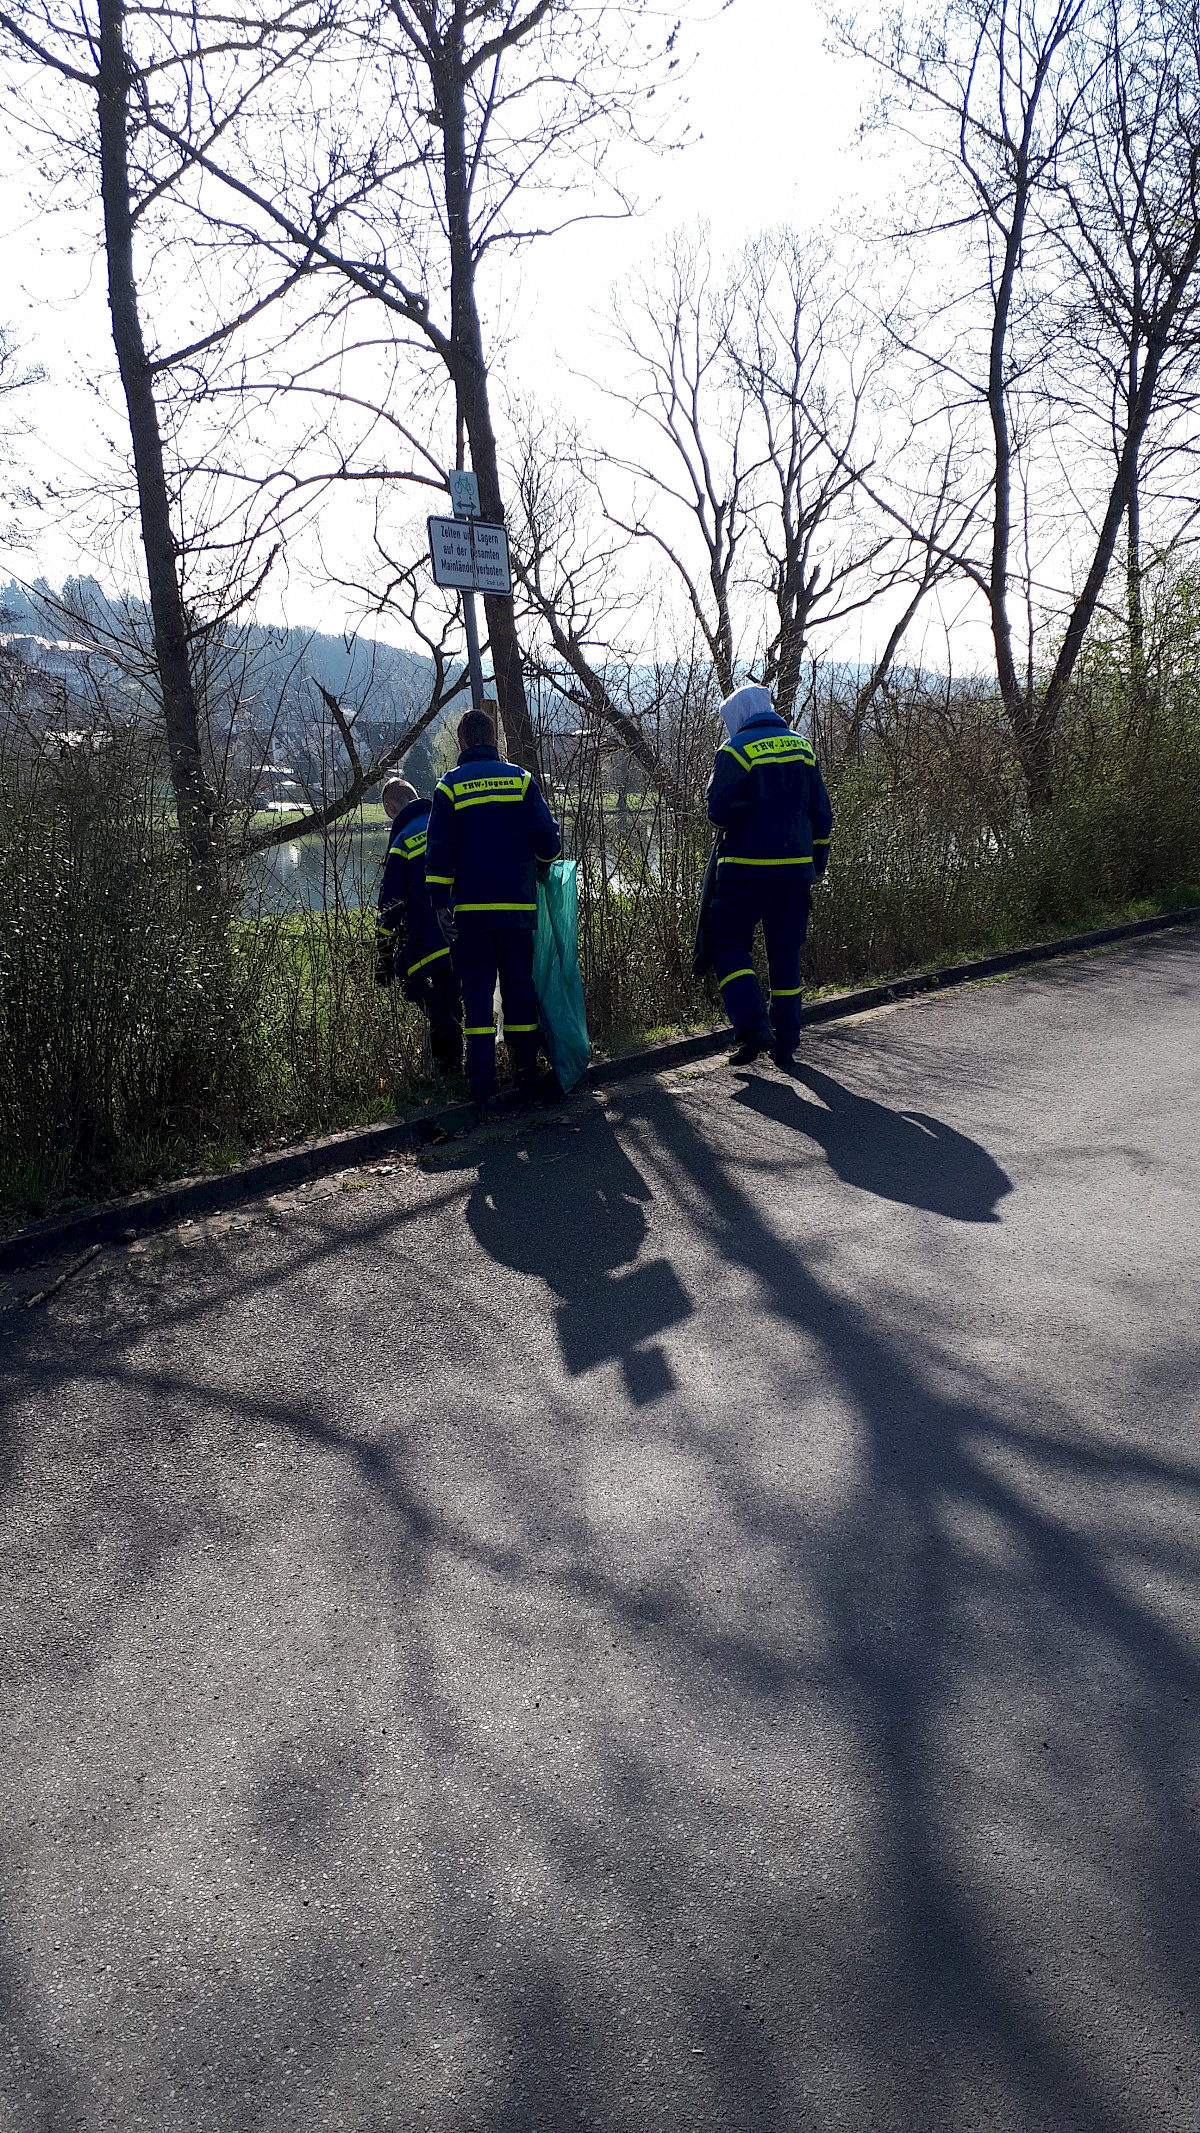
{"points": [[776, 115]]}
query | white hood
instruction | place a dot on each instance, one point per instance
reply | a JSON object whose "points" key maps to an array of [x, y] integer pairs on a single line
{"points": [[745, 703]]}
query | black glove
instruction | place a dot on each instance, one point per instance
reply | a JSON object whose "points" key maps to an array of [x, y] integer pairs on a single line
{"points": [[444, 913], [543, 867]]}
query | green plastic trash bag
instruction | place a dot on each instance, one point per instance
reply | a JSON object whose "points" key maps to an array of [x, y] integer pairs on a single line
{"points": [[556, 978]]}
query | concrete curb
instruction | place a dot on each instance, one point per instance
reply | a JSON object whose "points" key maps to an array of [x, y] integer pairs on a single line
{"points": [[120, 1220]]}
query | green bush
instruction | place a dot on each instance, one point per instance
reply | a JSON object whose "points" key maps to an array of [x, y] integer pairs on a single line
{"points": [[935, 852], [330, 1046], [122, 1000], [146, 1029]]}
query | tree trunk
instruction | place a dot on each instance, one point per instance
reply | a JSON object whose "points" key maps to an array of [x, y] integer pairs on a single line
{"points": [[869, 689], [1031, 741], [192, 803], [794, 597], [1133, 602], [1123, 488], [471, 385], [1133, 565], [1012, 695], [719, 560]]}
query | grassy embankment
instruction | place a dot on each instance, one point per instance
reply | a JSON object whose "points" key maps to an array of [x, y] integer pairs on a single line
{"points": [[144, 1033]]}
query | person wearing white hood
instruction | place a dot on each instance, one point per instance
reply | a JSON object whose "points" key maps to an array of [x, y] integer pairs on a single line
{"points": [[768, 800]]}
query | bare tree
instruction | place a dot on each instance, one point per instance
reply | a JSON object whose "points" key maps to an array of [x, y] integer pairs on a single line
{"points": [[15, 379], [997, 82], [1128, 223], [1052, 125], [676, 331], [102, 114], [810, 369], [497, 118], [759, 396], [580, 606]]}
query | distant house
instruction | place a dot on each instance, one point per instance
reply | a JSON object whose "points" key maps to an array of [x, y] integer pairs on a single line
{"points": [[65, 693], [278, 790]]}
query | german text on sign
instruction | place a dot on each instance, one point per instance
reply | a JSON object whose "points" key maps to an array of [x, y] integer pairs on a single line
{"points": [[469, 556]]}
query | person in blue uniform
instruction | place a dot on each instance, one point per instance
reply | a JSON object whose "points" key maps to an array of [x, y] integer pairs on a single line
{"points": [[489, 830], [768, 800], [408, 939]]}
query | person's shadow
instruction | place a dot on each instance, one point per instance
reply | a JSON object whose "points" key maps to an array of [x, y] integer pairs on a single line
{"points": [[900, 1155], [575, 1217]]}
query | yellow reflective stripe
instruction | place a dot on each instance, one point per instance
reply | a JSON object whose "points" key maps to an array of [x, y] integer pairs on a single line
{"points": [[522, 1029], [487, 799], [733, 859], [436, 957], [412, 846], [727, 748], [783, 746], [485, 1029], [495, 907], [509, 788], [722, 982], [382, 932], [526, 785], [785, 992], [442, 786], [445, 881], [820, 840]]}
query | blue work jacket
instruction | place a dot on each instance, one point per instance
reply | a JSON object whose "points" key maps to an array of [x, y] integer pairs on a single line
{"points": [[768, 798], [406, 919], [489, 828]]}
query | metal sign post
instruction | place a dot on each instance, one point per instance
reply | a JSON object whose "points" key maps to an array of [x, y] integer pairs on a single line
{"points": [[474, 663], [471, 557]]}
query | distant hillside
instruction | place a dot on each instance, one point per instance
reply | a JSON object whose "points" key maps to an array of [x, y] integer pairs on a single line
{"points": [[259, 679], [82, 614]]}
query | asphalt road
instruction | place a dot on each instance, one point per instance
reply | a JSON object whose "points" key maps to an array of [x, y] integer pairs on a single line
{"points": [[682, 1616]]}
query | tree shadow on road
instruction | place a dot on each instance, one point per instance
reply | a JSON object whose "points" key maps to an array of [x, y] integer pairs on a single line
{"points": [[899, 1155], [577, 1220], [639, 1755], [948, 1568]]}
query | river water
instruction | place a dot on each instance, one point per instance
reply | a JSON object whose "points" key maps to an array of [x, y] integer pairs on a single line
{"points": [[312, 875]]}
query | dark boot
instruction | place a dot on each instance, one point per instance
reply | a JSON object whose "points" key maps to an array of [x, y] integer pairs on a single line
{"points": [[523, 1051], [749, 1044], [483, 1099], [537, 1089], [447, 1052]]}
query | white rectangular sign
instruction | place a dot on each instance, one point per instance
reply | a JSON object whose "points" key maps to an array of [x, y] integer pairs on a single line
{"points": [[469, 556], [492, 573], [464, 493], [450, 553]]}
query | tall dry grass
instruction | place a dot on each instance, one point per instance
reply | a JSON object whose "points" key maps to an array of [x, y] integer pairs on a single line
{"points": [[936, 853], [146, 1030]]}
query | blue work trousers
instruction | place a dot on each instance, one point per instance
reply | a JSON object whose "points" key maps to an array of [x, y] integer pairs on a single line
{"points": [[434, 989], [746, 897], [481, 954]]}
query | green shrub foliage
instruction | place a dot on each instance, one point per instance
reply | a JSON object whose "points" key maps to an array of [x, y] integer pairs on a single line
{"points": [[145, 1028]]}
